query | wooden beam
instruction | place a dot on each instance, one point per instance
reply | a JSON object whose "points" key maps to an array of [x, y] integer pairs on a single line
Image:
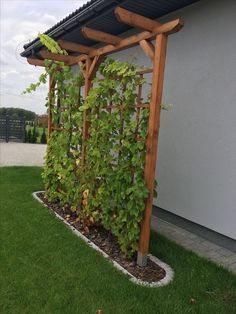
{"points": [[100, 36], [167, 28], [135, 20], [36, 62], [50, 91], [152, 142], [94, 66], [87, 86], [74, 47], [58, 57], [148, 48]]}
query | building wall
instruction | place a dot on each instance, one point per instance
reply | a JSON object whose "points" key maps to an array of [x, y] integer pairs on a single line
{"points": [[196, 168]]}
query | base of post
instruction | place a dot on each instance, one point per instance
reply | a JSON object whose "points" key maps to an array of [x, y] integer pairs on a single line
{"points": [[141, 259]]}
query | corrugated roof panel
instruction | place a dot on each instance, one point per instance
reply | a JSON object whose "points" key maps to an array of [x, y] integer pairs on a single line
{"points": [[99, 14]]}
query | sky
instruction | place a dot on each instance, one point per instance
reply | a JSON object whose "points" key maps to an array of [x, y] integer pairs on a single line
{"points": [[20, 23]]}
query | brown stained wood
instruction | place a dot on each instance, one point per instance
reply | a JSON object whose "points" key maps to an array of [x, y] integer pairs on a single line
{"points": [[97, 60], [58, 57], [148, 48], [51, 89], [54, 128], [100, 36], [139, 98], [141, 72], [152, 139], [87, 87], [167, 28], [139, 139], [145, 71], [135, 20], [128, 106], [74, 47], [36, 62]]}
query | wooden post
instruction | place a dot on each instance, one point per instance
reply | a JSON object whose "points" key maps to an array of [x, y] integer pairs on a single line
{"points": [[87, 85], [49, 106], [152, 143]]}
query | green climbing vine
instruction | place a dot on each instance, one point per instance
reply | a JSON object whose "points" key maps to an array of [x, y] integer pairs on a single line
{"points": [[108, 188]]}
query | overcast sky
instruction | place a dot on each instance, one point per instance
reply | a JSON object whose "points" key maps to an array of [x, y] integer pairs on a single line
{"points": [[21, 21]]}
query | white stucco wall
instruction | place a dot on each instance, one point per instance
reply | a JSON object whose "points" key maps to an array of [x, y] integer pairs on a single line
{"points": [[196, 167]]}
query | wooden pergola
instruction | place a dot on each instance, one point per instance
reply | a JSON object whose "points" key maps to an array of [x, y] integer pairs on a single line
{"points": [[89, 61]]}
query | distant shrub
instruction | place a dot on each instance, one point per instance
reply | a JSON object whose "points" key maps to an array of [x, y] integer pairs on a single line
{"points": [[34, 135], [43, 139], [29, 135]]}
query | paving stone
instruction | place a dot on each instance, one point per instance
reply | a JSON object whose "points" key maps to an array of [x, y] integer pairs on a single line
{"points": [[210, 245], [232, 259], [225, 252], [212, 255], [232, 267], [195, 243]]}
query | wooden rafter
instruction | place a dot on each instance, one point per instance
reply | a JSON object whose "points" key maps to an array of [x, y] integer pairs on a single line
{"points": [[167, 28], [36, 62], [135, 20], [57, 57], [100, 36], [74, 47], [148, 48]]}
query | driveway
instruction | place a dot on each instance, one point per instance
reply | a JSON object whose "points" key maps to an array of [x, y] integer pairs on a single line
{"points": [[21, 154]]}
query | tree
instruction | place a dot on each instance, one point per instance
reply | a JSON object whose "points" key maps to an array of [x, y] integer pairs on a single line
{"points": [[26, 136], [34, 135], [43, 139], [29, 135], [17, 113]]}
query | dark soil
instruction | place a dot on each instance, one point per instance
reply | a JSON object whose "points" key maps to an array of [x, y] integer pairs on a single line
{"points": [[107, 242]]}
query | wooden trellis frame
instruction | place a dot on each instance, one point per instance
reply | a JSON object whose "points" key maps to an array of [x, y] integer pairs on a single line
{"points": [[89, 61]]}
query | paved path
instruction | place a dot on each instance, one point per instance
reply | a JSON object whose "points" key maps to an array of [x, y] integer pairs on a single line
{"points": [[195, 243], [21, 154]]}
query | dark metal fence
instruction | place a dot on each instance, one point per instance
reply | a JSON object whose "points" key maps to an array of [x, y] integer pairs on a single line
{"points": [[12, 129]]}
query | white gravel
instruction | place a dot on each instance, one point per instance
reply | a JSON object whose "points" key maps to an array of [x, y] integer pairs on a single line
{"points": [[22, 154]]}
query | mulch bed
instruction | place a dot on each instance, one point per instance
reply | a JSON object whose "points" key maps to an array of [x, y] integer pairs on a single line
{"points": [[107, 242]]}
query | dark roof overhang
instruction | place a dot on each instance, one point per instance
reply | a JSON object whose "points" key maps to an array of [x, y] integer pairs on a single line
{"points": [[99, 14]]}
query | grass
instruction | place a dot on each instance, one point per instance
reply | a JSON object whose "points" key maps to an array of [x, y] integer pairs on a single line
{"points": [[45, 268]]}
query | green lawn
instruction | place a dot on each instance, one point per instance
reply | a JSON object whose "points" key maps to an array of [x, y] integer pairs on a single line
{"points": [[45, 268]]}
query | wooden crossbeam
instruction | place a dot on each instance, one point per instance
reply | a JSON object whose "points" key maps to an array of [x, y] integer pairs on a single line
{"points": [[100, 36], [148, 48], [36, 62], [58, 57], [74, 47], [127, 106], [167, 28], [135, 20]]}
